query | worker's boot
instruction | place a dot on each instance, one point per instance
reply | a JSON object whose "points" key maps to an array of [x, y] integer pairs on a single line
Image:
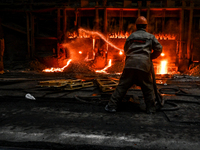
{"points": [[150, 107], [110, 109]]}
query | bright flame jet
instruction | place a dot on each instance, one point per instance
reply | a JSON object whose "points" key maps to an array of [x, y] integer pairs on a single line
{"points": [[57, 69], [102, 36]]}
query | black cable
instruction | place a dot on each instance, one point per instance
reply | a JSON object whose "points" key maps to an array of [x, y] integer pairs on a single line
{"points": [[176, 107], [176, 92], [85, 101], [161, 90]]}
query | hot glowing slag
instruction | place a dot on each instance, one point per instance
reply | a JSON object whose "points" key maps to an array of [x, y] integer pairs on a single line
{"points": [[163, 67], [57, 69], [104, 69]]}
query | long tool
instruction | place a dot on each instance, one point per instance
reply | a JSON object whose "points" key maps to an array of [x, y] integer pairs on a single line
{"points": [[158, 96]]}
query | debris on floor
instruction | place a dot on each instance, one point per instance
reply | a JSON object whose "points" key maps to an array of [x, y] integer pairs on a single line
{"points": [[65, 84]]}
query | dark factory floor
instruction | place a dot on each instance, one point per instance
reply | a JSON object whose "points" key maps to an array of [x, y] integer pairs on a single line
{"points": [[59, 118]]}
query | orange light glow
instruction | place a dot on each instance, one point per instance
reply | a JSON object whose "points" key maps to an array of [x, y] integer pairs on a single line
{"points": [[80, 52], [163, 67], [93, 43], [162, 54], [57, 69], [102, 37], [104, 69], [120, 53]]}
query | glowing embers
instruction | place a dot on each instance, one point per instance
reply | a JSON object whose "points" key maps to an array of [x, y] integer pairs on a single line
{"points": [[161, 36], [57, 69], [104, 69], [119, 35]]}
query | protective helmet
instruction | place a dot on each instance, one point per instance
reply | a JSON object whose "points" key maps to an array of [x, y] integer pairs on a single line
{"points": [[141, 20]]}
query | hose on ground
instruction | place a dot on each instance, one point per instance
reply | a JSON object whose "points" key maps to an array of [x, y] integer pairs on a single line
{"points": [[173, 103]]}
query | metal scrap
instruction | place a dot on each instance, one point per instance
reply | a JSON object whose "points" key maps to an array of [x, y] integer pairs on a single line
{"points": [[64, 84], [107, 84]]}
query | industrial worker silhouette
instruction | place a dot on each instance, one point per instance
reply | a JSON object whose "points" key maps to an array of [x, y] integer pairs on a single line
{"points": [[137, 70]]}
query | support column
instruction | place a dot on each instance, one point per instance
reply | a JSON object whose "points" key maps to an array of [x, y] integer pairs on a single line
{"points": [[105, 28], [58, 32], [183, 61], [139, 8], [190, 32], [32, 35], [97, 18], [64, 24], [64, 29], [28, 33], [148, 12], [163, 21], [76, 21], [79, 22], [181, 34], [121, 20], [105, 21], [2, 48]]}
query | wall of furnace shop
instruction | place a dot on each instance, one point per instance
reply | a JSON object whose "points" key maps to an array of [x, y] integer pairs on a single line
{"points": [[51, 34]]}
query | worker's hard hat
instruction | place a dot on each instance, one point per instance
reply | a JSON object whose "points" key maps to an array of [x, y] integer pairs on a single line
{"points": [[141, 20]]}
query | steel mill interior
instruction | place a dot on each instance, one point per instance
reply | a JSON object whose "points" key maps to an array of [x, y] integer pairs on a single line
{"points": [[39, 35], [60, 62]]}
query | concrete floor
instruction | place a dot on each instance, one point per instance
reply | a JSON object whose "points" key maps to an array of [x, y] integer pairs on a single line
{"points": [[58, 120]]}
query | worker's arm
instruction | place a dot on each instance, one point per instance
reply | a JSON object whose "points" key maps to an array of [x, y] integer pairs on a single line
{"points": [[157, 48], [126, 45]]}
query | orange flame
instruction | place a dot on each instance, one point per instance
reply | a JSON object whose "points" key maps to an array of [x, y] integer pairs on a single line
{"points": [[104, 69], [102, 36], [163, 69], [57, 69], [80, 52]]}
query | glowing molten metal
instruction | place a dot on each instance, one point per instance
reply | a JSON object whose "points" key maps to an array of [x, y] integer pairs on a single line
{"points": [[162, 54], [163, 67], [57, 69], [104, 69]]}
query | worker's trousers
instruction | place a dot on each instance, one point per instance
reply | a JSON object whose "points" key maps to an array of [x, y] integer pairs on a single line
{"points": [[128, 78]]}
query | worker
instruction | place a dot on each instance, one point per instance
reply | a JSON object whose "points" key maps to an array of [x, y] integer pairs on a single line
{"points": [[137, 70]]}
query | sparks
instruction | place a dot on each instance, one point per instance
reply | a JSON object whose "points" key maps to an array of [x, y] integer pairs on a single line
{"points": [[57, 69], [102, 36], [80, 52], [120, 53]]}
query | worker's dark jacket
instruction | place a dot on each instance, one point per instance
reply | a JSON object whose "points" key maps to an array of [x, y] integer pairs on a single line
{"points": [[138, 50]]}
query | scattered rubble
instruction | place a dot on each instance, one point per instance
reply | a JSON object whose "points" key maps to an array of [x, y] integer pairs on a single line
{"points": [[35, 65], [194, 69]]}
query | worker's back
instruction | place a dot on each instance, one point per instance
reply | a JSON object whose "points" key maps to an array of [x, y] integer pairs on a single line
{"points": [[138, 48]]}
